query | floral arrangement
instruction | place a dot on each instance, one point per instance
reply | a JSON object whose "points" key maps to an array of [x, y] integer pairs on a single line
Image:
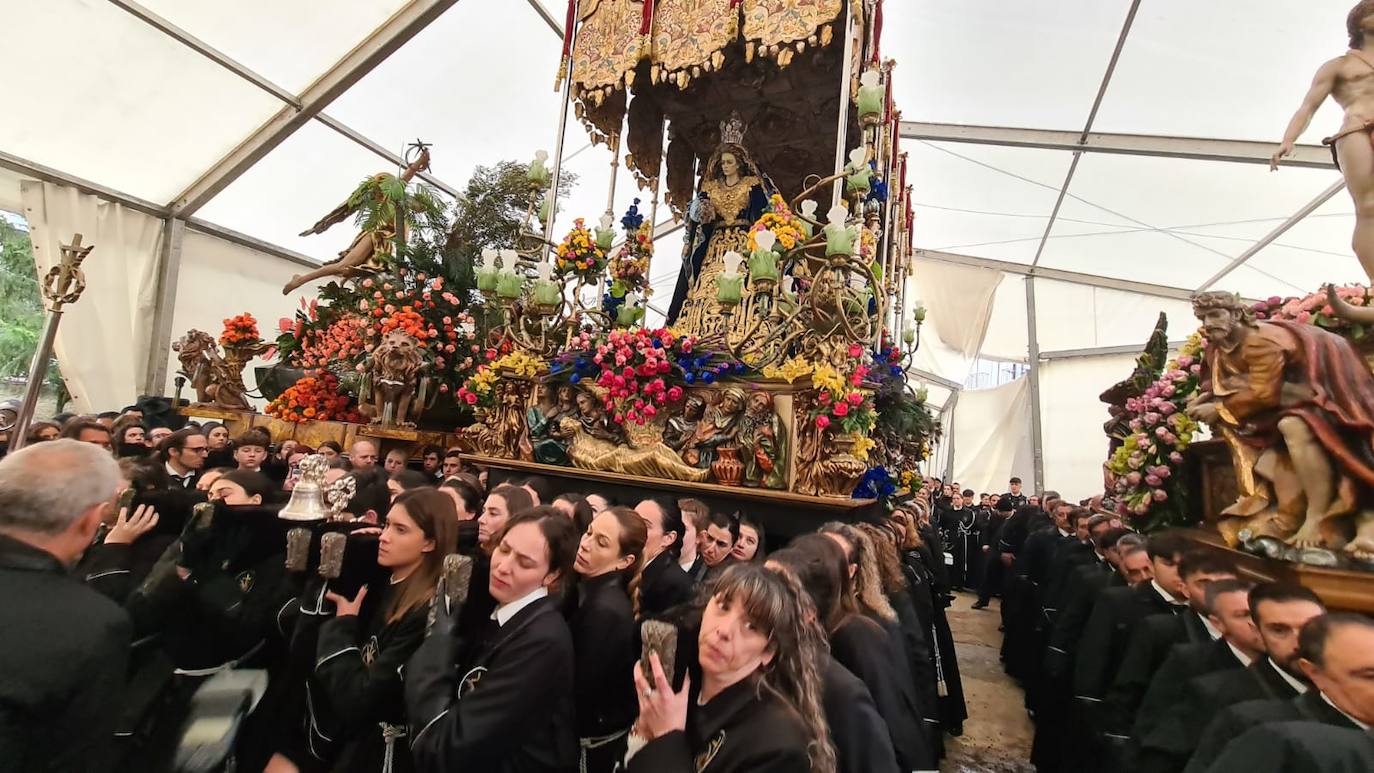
{"points": [[240, 330], [314, 398], [578, 254], [629, 265], [479, 391], [780, 220], [877, 483], [840, 401], [1143, 467], [1313, 309]]}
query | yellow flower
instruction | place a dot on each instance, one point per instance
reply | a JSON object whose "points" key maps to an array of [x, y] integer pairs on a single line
{"points": [[827, 378], [862, 445]]}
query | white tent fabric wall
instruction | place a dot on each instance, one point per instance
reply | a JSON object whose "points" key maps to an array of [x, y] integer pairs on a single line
{"points": [[219, 279], [1071, 417], [104, 339], [992, 437], [959, 302]]}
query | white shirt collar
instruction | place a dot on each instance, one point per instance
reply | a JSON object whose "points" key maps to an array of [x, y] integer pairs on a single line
{"points": [[1296, 684], [179, 476], [1213, 632], [1358, 723], [1063, 533], [1164, 594], [510, 609], [1245, 660]]}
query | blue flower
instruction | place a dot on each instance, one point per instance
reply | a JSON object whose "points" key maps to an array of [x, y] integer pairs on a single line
{"points": [[895, 370], [575, 378], [658, 344], [708, 377], [688, 377]]}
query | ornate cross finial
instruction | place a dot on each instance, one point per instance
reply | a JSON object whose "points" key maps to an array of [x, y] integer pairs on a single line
{"points": [[64, 282], [732, 130]]}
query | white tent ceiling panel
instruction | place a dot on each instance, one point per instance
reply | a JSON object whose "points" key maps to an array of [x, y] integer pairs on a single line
{"points": [[988, 62], [984, 201], [1073, 316], [295, 185], [1228, 70], [289, 43], [112, 100]]}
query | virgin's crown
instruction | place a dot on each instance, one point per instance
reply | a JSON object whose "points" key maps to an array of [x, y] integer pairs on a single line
{"points": [[732, 130]]}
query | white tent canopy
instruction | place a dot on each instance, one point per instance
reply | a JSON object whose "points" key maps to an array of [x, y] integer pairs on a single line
{"points": [[1092, 161]]}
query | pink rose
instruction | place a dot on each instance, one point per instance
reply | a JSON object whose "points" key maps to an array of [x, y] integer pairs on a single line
{"points": [[1151, 418], [1163, 472], [1153, 480], [1133, 478], [1136, 424], [1185, 361], [1195, 369], [822, 422], [855, 398], [470, 398], [675, 393], [841, 409], [1159, 495], [1167, 408], [1176, 457]]}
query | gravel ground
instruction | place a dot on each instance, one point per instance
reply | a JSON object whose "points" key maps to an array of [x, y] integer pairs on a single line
{"points": [[997, 734]]}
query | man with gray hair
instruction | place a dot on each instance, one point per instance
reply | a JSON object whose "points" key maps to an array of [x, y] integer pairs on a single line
{"points": [[64, 647]]}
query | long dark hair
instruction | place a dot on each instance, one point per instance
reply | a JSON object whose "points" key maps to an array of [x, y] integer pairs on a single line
{"points": [[634, 533], [823, 571], [778, 608], [436, 516]]}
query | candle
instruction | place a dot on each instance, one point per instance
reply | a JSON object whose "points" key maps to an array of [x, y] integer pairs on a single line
{"points": [[538, 175], [920, 312], [509, 284], [605, 235], [730, 283], [808, 214], [763, 262], [908, 336], [486, 273], [546, 291], [629, 313]]}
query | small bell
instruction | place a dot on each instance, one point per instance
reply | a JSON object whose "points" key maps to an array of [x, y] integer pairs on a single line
{"points": [[307, 498]]}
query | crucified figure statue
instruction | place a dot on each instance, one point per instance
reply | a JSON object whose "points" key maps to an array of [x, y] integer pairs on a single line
{"points": [[1348, 79]]}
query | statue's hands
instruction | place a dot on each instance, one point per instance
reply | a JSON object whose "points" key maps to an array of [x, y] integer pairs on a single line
{"points": [[1203, 412], [1285, 150]]}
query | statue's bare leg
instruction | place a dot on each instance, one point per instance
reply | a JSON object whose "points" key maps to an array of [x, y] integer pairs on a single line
{"points": [[1357, 164], [1314, 472]]}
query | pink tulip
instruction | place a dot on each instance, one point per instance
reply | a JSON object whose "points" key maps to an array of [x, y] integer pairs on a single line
{"points": [[1176, 457], [1153, 480], [1159, 495]]}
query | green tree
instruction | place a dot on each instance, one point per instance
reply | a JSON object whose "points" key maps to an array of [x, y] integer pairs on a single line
{"points": [[21, 305]]}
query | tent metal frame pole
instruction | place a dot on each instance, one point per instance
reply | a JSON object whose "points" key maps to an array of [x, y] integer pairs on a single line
{"points": [[1148, 145], [168, 280], [357, 63], [926, 375], [1033, 356], [949, 434], [1100, 351], [548, 18], [48, 174], [1278, 231], [1058, 275]]}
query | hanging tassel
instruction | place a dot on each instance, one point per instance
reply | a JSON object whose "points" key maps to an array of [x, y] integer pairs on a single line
{"points": [[887, 99]]}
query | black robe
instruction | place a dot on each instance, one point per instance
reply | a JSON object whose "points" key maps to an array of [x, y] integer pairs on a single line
{"points": [[1298, 747], [1151, 644], [1158, 735], [959, 534], [741, 730], [1235, 721], [604, 649], [63, 653], [662, 586], [862, 743], [505, 709], [869, 652]]}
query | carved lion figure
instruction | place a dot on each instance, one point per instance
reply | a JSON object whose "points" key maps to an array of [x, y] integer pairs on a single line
{"points": [[395, 370], [208, 373]]}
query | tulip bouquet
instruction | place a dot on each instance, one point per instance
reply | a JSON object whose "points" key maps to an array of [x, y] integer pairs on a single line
{"points": [[1313, 309], [1144, 467]]}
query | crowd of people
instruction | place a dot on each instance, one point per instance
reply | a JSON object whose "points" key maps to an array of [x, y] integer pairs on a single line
{"points": [[124, 602]]}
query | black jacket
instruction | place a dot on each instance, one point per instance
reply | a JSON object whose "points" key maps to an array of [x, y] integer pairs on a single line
{"points": [[63, 653], [662, 586], [862, 744], [1298, 747], [356, 686], [1076, 605], [604, 636], [1159, 730], [1107, 633], [1150, 645], [869, 652], [1233, 722], [508, 709], [741, 730]]}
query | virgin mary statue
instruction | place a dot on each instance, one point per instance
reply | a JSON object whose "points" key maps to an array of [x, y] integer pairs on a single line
{"points": [[731, 197]]}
